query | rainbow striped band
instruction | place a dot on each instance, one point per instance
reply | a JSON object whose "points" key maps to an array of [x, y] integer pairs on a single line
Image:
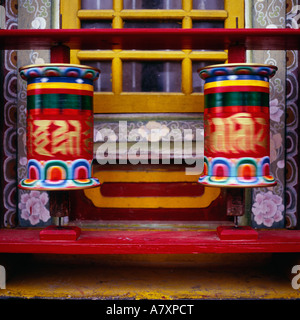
{"points": [[58, 174], [242, 172], [239, 92]]}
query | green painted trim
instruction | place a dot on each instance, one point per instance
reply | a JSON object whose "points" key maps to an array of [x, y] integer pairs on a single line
{"points": [[227, 99]]}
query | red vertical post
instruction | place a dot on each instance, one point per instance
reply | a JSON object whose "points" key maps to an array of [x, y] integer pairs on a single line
{"points": [[60, 54], [236, 54]]}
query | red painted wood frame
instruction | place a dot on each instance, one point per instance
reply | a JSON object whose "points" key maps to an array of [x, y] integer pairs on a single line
{"points": [[147, 242], [143, 39], [153, 241]]}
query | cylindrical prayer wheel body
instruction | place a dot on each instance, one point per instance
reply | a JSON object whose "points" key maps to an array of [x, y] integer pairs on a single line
{"points": [[237, 125], [59, 126]]}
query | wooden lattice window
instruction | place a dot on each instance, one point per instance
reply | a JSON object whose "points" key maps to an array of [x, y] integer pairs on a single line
{"points": [[118, 93]]}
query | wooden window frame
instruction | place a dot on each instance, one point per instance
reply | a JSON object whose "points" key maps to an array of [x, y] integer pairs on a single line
{"points": [[118, 101]]}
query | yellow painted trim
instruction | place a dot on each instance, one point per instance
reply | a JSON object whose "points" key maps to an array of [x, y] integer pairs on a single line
{"points": [[203, 201], [145, 102], [187, 76], [117, 5], [117, 75], [229, 83], [235, 9], [187, 5], [117, 22], [208, 14], [208, 55], [59, 85], [98, 200], [96, 14], [152, 14], [187, 23], [151, 55], [73, 56], [144, 176], [69, 13]]}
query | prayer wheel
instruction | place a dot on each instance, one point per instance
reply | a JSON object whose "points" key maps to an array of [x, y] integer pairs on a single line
{"points": [[237, 125], [59, 126]]}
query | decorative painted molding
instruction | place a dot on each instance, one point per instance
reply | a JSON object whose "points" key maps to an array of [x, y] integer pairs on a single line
{"points": [[271, 14], [8, 135], [292, 122], [32, 15]]}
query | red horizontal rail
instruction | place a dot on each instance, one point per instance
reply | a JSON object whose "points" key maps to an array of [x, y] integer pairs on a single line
{"points": [[151, 189], [149, 215], [148, 242], [216, 39]]}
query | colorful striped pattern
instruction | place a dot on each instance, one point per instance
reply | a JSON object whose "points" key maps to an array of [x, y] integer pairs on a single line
{"points": [[239, 92], [60, 127], [244, 172], [58, 174], [58, 95], [65, 101], [240, 85], [236, 118]]}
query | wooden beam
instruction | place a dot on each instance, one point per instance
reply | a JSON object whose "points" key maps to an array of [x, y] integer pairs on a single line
{"points": [[151, 39], [147, 242]]}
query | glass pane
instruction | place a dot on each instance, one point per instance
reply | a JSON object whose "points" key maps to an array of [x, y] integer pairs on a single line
{"points": [[198, 83], [97, 4], [208, 4], [152, 24], [103, 83], [94, 24], [151, 76], [152, 4], [208, 24]]}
